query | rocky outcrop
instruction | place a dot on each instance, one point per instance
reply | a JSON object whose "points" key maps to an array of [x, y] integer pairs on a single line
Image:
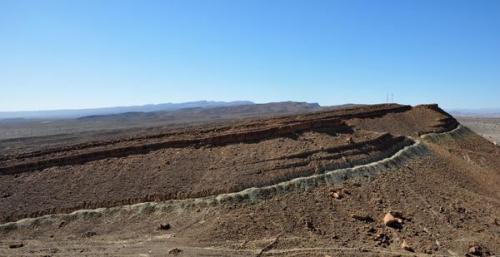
{"points": [[209, 161], [329, 121]]}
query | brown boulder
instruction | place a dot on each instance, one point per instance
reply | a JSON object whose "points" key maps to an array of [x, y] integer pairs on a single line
{"points": [[175, 251], [391, 220], [16, 245], [164, 226]]}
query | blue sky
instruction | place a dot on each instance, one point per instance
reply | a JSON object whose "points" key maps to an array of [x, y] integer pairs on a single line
{"points": [[77, 54]]}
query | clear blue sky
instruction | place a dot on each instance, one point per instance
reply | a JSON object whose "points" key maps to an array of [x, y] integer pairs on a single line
{"points": [[76, 54]]}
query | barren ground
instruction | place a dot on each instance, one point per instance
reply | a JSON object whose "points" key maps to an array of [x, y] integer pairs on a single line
{"points": [[439, 178], [489, 128]]}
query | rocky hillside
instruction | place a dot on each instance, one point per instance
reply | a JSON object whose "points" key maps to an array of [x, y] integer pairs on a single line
{"points": [[379, 180]]}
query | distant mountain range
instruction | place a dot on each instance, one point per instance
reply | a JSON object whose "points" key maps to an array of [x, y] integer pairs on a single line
{"points": [[76, 113], [141, 110], [228, 111]]}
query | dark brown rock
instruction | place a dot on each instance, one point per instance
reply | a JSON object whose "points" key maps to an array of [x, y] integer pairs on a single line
{"points": [[175, 251], [164, 226], [16, 245]]}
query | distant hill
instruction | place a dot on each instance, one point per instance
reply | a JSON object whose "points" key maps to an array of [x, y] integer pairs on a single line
{"points": [[210, 113], [176, 115], [76, 113]]}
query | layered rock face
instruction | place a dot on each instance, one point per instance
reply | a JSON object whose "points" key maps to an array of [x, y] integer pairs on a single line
{"points": [[207, 160]]}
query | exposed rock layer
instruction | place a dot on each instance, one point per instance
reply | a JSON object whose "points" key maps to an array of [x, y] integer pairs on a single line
{"points": [[208, 161]]}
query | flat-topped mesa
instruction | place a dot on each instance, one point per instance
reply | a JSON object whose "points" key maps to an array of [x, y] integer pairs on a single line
{"points": [[418, 120], [444, 123]]}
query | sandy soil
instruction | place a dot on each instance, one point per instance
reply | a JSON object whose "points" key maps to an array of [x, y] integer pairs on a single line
{"points": [[489, 128]]}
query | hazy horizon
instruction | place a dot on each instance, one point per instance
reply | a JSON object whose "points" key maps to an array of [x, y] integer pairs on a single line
{"points": [[236, 100], [110, 110], [121, 106]]}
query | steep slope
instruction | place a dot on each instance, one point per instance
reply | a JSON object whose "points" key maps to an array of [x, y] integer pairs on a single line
{"points": [[266, 188], [199, 163]]}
